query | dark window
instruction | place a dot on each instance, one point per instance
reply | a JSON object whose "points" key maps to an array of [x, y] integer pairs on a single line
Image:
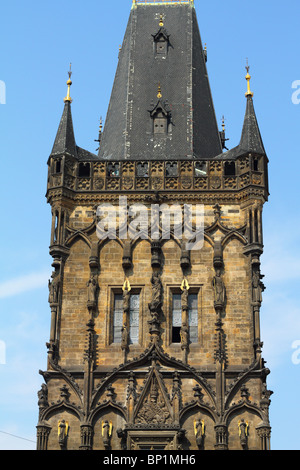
{"points": [[84, 170], [255, 165], [229, 169], [57, 166]]}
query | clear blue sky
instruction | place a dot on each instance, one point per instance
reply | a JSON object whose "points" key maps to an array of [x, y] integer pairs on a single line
{"points": [[38, 40]]}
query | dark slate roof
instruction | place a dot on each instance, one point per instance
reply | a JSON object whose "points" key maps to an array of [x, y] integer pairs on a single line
{"points": [[251, 140], [184, 82], [65, 139]]}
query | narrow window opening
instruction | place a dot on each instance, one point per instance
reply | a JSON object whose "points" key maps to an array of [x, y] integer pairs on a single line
{"points": [[172, 169], [255, 165], [118, 318], [230, 169], [143, 170], [201, 169], [57, 166], [84, 170], [113, 170], [177, 318], [133, 318]]}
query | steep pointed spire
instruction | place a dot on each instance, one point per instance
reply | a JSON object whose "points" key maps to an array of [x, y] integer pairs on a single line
{"points": [[65, 139], [251, 140]]}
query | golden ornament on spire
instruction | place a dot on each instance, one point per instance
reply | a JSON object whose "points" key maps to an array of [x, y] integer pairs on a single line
{"points": [[248, 78], [161, 22], [159, 94], [69, 83]]}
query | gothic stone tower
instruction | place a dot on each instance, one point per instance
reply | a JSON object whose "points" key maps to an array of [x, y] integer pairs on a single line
{"points": [[154, 345]]}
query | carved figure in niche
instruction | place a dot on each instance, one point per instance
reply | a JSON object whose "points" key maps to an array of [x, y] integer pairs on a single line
{"points": [[156, 303], [219, 288], [43, 397], [92, 289], [53, 289], [63, 432], [243, 433], [106, 433], [126, 297], [199, 428]]}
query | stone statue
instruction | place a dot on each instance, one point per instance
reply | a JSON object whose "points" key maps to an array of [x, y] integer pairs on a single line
{"points": [[63, 432], [125, 337], [126, 297], [106, 433], [199, 428], [185, 296], [156, 303], [53, 289], [43, 397], [184, 335], [257, 285], [243, 433], [219, 288], [92, 290]]}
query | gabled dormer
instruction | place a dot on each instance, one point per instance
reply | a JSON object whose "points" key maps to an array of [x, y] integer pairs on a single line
{"points": [[161, 40], [161, 117]]}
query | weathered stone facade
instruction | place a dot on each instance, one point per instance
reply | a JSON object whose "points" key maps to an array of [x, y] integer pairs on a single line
{"points": [[148, 382]]}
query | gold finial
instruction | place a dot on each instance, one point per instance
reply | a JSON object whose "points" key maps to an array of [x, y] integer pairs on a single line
{"points": [[126, 286], [69, 83], [248, 78], [161, 22], [185, 285], [159, 94]]}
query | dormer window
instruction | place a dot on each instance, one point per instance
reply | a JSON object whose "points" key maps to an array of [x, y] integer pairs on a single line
{"points": [[161, 116], [161, 40]]}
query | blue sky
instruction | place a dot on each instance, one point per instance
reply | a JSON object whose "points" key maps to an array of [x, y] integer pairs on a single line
{"points": [[38, 41]]}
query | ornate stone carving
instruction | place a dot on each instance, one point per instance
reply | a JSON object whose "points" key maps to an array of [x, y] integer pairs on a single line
{"points": [[154, 409], [43, 397]]}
